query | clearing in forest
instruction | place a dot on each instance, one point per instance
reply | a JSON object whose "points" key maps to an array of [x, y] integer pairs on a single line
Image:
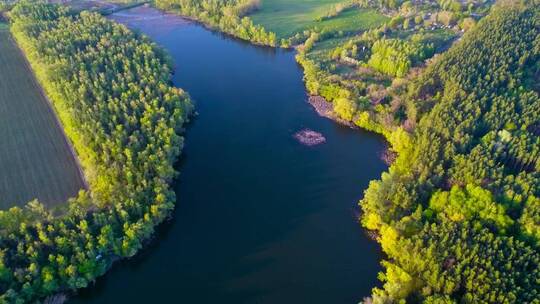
{"points": [[288, 17], [35, 158]]}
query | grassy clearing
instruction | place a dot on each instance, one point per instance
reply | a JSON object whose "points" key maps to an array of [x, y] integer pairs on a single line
{"points": [[353, 20], [287, 17], [321, 49], [35, 159]]}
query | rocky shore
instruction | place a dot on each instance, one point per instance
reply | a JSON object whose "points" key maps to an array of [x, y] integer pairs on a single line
{"points": [[325, 109]]}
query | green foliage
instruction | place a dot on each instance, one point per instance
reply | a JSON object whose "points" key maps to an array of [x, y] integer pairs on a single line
{"points": [[371, 64], [5, 5], [530, 219], [111, 89], [345, 108], [458, 211], [226, 16], [455, 263], [470, 203], [395, 57]]}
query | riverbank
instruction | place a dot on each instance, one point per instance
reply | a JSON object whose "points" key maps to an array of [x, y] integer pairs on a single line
{"points": [[232, 22], [320, 104], [367, 119], [325, 109], [254, 202]]}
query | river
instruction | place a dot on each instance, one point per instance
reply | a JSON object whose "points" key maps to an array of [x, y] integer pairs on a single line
{"points": [[260, 218]]}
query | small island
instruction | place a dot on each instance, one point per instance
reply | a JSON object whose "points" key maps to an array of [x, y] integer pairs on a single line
{"points": [[309, 137]]}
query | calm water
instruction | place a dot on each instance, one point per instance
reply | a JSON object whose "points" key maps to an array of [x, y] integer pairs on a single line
{"points": [[260, 217]]}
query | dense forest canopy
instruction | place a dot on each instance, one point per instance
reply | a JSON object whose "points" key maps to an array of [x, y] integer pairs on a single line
{"points": [[459, 211], [111, 89]]}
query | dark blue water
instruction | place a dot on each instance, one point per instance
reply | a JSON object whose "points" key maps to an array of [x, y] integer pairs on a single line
{"points": [[260, 218]]}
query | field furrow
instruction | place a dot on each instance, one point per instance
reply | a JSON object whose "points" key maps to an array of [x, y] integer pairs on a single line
{"points": [[35, 159]]}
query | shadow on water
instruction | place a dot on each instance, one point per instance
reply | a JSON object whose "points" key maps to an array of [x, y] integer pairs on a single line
{"points": [[260, 218]]}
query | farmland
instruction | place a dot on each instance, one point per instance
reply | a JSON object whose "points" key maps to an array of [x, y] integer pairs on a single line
{"points": [[35, 158], [288, 17]]}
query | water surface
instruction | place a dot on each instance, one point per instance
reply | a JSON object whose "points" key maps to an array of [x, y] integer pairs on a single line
{"points": [[260, 217]]}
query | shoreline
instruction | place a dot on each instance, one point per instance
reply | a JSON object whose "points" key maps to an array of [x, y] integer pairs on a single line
{"points": [[214, 29], [321, 106], [324, 108]]}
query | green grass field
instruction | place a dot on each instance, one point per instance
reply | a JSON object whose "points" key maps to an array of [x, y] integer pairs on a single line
{"points": [[325, 46], [35, 159], [287, 17]]}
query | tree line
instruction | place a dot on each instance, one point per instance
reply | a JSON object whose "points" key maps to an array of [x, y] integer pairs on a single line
{"points": [[112, 91], [227, 16]]}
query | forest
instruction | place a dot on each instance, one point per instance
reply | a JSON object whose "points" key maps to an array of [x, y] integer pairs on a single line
{"points": [[458, 211], [112, 91]]}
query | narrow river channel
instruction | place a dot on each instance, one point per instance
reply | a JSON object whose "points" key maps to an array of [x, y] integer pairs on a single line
{"points": [[260, 218]]}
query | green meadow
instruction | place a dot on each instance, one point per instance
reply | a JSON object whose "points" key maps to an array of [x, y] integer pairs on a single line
{"points": [[287, 17]]}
